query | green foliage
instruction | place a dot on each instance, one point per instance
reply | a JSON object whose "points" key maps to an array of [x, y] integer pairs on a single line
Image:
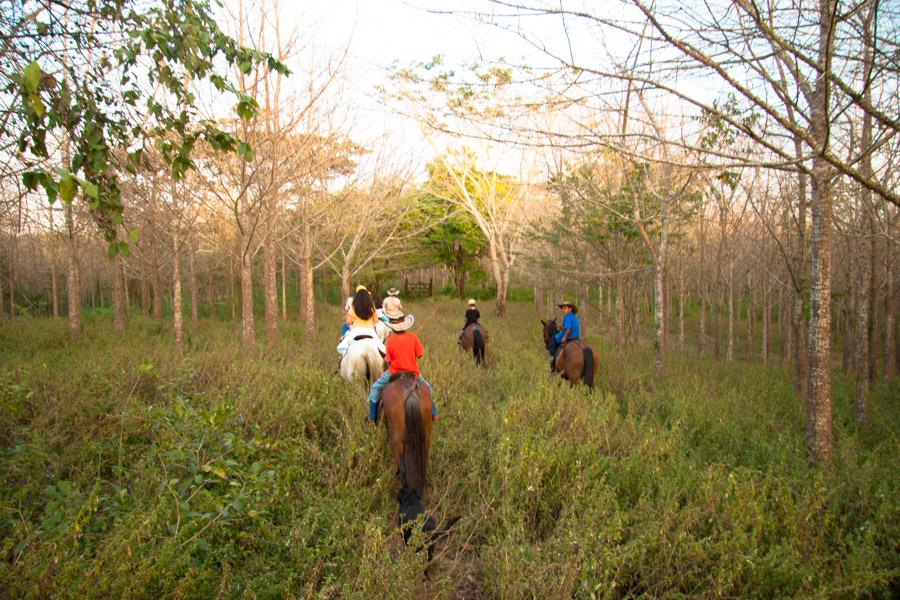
{"points": [[242, 472], [84, 72], [452, 237]]}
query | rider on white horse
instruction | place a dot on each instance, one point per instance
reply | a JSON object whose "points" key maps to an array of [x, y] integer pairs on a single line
{"points": [[361, 320]]}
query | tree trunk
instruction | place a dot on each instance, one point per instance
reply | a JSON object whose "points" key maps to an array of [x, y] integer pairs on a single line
{"points": [[749, 317], [73, 282], [271, 291], [538, 298], [680, 303], [145, 293], [115, 272], [345, 281], [767, 311], [864, 277], [729, 356], [819, 426], [659, 337], [192, 283], [231, 294], [889, 365], [620, 316], [283, 286], [157, 292], [307, 291], [124, 276], [54, 284], [247, 324], [176, 293]]}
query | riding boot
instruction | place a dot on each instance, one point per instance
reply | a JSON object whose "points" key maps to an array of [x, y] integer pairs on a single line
{"points": [[552, 365]]}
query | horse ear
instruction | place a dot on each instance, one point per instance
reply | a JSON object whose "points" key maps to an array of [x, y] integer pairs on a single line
{"points": [[542, 322]]}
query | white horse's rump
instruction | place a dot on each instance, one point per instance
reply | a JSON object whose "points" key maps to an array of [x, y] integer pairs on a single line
{"points": [[363, 360]]}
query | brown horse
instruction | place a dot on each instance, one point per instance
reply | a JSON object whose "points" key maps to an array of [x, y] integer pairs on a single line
{"points": [[406, 409], [576, 360], [474, 338]]}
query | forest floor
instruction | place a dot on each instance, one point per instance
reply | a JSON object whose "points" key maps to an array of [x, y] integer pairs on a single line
{"points": [[127, 471]]}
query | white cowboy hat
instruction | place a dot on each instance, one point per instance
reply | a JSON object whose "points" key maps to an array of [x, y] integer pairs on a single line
{"points": [[471, 302], [392, 304], [393, 292], [397, 321], [402, 323]]}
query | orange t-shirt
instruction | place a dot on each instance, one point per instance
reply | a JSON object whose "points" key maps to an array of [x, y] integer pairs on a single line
{"points": [[402, 351]]}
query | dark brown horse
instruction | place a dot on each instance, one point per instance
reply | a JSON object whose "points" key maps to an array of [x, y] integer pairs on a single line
{"points": [[474, 338], [406, 406], [576, 360]]}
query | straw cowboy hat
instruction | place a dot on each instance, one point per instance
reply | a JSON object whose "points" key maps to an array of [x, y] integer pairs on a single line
{"points": [[569, 304], [393, 292], [396, 319], [361, 287], [392, 303], [471, 302]]}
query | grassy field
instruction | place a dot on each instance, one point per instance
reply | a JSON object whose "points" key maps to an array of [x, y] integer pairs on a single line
{"points": [[128, 472]]}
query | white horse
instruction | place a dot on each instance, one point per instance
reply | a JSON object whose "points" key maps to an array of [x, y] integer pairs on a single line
{"points": [[364, 357]]}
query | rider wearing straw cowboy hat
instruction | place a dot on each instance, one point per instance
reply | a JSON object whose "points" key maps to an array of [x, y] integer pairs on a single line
{"points": [[570, 330], [403, 351]]}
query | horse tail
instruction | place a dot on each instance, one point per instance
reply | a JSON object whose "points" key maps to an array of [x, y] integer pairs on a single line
{"points": [[588, 366], [478, 346], [414, 450], [374, 363]]}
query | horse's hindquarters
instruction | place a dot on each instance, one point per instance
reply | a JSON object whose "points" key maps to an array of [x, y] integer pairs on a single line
{"points": [[363, 360]]}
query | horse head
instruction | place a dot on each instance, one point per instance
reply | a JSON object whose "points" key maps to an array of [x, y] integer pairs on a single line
{"points": [[551, 328]]}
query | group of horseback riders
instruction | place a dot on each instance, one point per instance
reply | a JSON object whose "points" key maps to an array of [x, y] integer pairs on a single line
{"points": [[384, 324]]}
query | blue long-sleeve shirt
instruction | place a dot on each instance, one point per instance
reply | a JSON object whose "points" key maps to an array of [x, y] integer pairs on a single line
{"points": [[570, 322]]}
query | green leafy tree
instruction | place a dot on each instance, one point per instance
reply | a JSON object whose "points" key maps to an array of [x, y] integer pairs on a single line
{"points": [[108, 79], [453, 238]]}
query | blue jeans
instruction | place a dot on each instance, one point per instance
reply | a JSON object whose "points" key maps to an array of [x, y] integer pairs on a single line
{"points": [[553, 346], [375, 395]]}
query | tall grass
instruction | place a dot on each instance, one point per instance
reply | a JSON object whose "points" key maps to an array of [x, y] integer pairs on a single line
{"points": [[128, 471]]}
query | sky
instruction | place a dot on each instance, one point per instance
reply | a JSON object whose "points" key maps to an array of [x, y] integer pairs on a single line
{"points": [[384, 32]]}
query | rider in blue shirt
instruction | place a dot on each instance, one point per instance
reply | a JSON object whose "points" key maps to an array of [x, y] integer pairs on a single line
{"points": [[570, 330]]}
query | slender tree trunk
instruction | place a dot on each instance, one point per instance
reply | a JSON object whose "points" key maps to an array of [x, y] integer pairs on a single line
{"points": [[177, 323], [192, 283], [54, 284], [124, 276], [730, 347], [538, 298], [659, 338], [345, 281], [145, 293], [889, 366], [283, 286], [864, 277], [680, 302], [157, 292], [307, 291], [620, 315], [819, 426], [767, 310], [115, 273], [73, 282], [271, 292], [749, 317], [247, 325], [231, 295]]}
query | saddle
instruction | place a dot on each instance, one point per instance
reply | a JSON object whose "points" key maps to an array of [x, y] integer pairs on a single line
{"points": [[402, 374], [562, 346]]}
